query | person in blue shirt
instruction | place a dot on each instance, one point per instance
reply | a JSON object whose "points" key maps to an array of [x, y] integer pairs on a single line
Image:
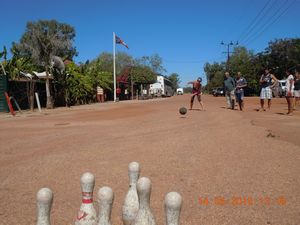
{"points": [[241, 83]]}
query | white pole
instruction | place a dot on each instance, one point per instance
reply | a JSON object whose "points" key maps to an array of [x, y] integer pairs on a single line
{"points": [[38, 101], [114, 56]]}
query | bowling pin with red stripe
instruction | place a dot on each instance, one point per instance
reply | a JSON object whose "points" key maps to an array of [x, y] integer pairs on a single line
{"points": [[87, 213]]}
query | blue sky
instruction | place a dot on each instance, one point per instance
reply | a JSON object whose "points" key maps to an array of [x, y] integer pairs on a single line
{"points": [[185, 33]]}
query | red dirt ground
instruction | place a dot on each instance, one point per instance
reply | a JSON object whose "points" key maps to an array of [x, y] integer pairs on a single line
{"points": [[206, 154]]}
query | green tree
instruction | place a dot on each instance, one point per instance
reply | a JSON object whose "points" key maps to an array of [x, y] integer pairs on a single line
{"points": [[79, 86], [42, 41], [154, 62], [282, 55], [17, 64], [175, 80], [214, 75], [142, 75], [242, 61], [3, 55], [99, 76], [105, 61]]}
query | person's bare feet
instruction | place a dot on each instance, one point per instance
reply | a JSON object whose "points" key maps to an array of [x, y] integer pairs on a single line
{"points": [[261, 110]]}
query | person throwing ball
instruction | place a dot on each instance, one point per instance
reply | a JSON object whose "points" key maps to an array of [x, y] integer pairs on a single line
{"points": [[196, 92]]}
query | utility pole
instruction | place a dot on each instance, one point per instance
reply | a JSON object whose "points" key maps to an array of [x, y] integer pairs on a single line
{"points": [[228, 52]]}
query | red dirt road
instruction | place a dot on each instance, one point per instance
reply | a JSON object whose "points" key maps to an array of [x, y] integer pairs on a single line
{"points": [[245, 164]]}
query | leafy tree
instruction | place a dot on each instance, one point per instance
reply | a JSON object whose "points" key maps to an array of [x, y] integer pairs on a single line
{"points": [[242, 61], [142, 75], [105, 61], [3, 54], [214, 75], [42, 41], [174, 78], [99, 77], [18, 64], [79, 87], [154, 62], [282, 55], [79, 82]]}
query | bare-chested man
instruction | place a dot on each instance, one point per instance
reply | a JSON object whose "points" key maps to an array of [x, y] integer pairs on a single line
{"points": [[196, 92]]}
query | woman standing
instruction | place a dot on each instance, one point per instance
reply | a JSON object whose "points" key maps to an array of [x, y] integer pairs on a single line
{"points": [[289, 92]]}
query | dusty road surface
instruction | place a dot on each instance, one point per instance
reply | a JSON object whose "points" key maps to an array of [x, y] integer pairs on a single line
{"points": [[230, 167]]}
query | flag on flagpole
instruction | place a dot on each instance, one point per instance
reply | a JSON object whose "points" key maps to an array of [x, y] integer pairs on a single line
{"points": [[120, 41]]}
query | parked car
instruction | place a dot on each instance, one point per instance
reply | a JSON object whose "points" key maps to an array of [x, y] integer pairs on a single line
{"points": [[279, 89], [219, 91], [282, 84]]}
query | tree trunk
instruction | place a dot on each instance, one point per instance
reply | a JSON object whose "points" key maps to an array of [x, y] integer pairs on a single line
{"points": [[49, 104], [31, 93], [66, 98]]}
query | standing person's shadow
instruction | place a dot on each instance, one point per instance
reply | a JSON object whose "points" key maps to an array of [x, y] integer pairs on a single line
{"points": [[195, 109]]}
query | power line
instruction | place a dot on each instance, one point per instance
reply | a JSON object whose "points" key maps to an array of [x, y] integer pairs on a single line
{"points": [[191, 61], [267, 21], [253, 22], [268, 25]]}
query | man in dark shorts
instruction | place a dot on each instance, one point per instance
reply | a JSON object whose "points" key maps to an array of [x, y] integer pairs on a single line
{"points": [[196, 92]]}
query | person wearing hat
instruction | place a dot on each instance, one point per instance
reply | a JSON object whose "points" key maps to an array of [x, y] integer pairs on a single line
{"points": [[196, 91]]}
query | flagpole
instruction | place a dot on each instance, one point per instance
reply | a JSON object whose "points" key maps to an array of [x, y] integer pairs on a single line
{"points": [[114, 56]]}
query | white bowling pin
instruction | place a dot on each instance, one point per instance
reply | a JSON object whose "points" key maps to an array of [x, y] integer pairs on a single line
{"points": [[173, 202], [131, 202], [87, 213], [105, 201], [44, 202], [144, 215]]}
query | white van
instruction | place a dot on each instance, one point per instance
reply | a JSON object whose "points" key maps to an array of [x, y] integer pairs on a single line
{"points": [[282, 84], [279, 89], [179, 91]]}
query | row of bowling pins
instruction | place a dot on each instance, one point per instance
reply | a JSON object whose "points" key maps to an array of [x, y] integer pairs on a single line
{"points": [[135, 211]]}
